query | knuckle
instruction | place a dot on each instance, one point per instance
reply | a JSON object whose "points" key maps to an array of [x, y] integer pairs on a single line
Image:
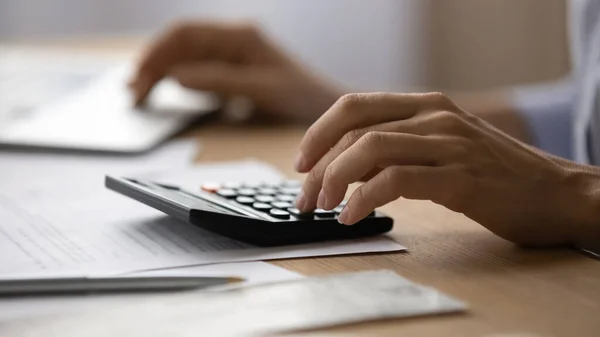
{"points": [[458, 149], [350, 107], [450, 122], [351, 137], [250, 30], [179, 28], [350, 102], [392, 175], [329, 175], [313, 177], [180, 32], [446, 116], [359, 196], [439, 100], [373, 139]]}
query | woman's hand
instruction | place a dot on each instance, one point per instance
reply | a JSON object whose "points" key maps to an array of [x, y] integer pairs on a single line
{"points": [[422, 146], [234, 60]]}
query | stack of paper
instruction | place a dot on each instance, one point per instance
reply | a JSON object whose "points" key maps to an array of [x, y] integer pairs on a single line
{"points": [[267, 310], [62, 219], [57, 219]]}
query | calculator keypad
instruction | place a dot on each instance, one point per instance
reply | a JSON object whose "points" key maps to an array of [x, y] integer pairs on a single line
{"points": [[276, 200], [267, 191], [296, 212], [280, 214], [232, 185], [261, 206], [322, 213], [282, 204], [264, 198], [285, 197], [227, 193], [258, 214], [245, 200], [245, 191]]}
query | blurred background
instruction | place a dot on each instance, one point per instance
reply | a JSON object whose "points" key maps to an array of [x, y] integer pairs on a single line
{"points": [[371, 45]]}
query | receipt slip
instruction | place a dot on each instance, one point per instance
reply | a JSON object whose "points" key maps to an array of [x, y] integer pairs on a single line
{"points": [[284, 307]]}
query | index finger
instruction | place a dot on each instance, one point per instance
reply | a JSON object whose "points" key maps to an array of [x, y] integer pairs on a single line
{"points": [[181, 43], [166, 51], [352, 112]]}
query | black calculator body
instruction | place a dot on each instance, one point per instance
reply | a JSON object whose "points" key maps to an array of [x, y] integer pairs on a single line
{"points": [[260, 214]]}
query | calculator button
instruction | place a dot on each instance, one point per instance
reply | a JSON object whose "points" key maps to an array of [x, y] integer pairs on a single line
{"points": [[322, 213], [251, 185], [210, 187], [301, 215], [343, 203], [285, 197], [291, 183], [232, 185], [282, 204], [261, 206], [267, 191], [280, 214], [291, 190], [227, 193], [264, 198], [269, 185], [247, 192], [244, 200]]}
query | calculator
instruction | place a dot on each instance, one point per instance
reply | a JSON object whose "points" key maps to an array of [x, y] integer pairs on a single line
{"points": [[261, 214]]}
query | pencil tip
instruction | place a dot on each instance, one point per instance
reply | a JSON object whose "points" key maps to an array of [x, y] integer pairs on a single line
{"points": [[235, 280]]}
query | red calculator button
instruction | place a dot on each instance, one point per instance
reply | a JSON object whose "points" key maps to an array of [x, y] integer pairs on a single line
{"points": [[210, 187]]}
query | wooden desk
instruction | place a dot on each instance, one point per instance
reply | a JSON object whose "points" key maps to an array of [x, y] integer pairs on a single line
{"points": [[509, 290]]}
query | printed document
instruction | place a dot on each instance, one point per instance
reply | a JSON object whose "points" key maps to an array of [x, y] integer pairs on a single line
{"points": [[270, 310], [61, 219]]}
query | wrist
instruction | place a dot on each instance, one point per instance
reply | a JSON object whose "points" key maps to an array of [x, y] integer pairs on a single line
{"points": [[584, 204]]}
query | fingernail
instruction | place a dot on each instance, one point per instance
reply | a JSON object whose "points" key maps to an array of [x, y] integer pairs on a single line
{"points": [[132, 84], [299, 162], [139, 86], [343, 216], [322, 200], [301, 201], [134, 88]]}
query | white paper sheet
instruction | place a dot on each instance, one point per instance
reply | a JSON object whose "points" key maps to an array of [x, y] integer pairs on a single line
{"points": [[256, 311], [36, 186], [75, 228], [247, 170], [45, 172], [254, 273]]}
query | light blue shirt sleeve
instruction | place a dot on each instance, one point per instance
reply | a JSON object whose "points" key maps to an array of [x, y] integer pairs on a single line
{"points": [[548, 112]]}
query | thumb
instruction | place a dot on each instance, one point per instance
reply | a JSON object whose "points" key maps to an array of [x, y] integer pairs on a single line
{"points": [[222, 78]]}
